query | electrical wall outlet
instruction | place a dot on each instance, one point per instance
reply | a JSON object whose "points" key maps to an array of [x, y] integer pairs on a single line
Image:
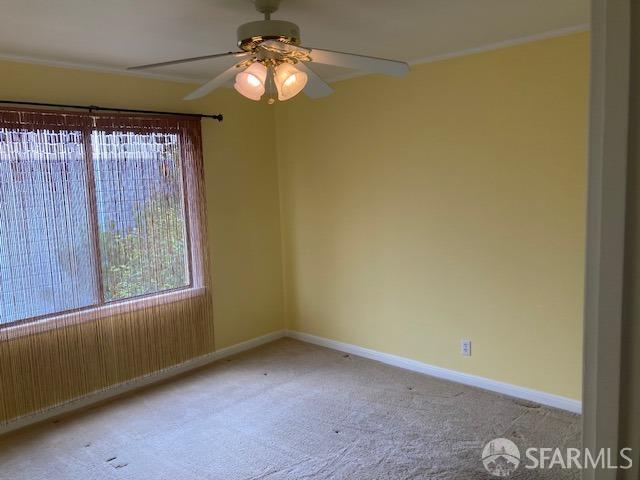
{"points": [[465, 348]]}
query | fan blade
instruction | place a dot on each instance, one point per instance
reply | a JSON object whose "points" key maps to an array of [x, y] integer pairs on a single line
{"points": [[316, 87], [211, 85], [192, 59], [359, 62]]}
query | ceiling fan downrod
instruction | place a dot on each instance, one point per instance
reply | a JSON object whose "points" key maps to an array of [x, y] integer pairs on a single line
{"points": [[267, 7]]}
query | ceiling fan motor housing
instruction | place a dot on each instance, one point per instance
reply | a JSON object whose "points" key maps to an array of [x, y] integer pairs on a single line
{"points": [[252, 34]]}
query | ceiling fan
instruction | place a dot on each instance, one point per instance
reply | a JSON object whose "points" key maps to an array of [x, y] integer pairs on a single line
{"points": [[272, 61]]}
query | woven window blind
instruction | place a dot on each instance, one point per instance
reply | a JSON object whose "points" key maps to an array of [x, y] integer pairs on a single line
{"points": [[103, 258]]}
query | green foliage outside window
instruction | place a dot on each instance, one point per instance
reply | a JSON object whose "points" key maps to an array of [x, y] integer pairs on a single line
{"points": [[148, 257]]}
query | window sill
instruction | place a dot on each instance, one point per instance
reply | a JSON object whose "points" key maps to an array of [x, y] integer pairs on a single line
{"points": [[95, 313]]}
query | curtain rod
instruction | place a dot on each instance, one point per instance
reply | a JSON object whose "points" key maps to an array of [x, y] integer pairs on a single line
{"points": [[96, 108]]}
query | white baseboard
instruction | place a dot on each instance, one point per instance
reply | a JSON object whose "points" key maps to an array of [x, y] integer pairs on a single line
{"points": [[536, 396], [248, 345], [397, 361], [137, 383]]}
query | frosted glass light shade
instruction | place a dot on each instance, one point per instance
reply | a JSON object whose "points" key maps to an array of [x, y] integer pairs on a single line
{"points": [[250, 82], [289, 81]]}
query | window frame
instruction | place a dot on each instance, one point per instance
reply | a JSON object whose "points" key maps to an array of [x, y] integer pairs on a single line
{"points": [[95, 228], [193, 227]]}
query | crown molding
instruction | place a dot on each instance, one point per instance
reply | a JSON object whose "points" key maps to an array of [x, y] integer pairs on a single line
{"points": [[561, 32], [99, 69]]}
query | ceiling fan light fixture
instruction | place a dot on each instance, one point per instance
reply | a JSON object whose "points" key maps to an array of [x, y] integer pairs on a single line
{"points": [[289, 81], [250, 83], [279, 67]]}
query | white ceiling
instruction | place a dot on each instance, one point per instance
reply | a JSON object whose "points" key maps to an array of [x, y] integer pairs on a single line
{"points": [[114, 34]]}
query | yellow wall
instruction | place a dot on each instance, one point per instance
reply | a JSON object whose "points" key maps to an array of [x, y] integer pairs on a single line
{"points": [[449, 204], [416, 212], [241, 182]]}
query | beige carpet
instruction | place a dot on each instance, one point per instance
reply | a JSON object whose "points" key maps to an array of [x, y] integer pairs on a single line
{"points": [[288, 410]]}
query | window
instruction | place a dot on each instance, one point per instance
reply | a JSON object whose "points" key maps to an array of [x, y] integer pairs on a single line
{"points": [[94, 210], [140, 206]]}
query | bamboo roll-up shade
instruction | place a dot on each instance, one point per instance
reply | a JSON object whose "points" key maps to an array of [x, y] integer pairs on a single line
{"points": [[103, 255]]}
